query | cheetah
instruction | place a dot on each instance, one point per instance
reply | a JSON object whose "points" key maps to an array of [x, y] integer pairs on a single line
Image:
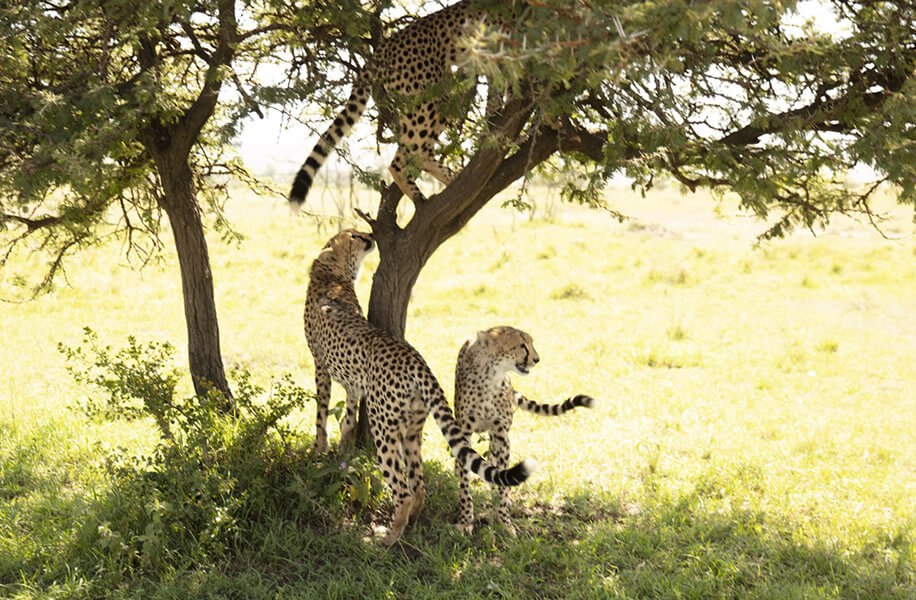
{"points": [[332, 281], [406, 64], [399, 387], [485, 401]]}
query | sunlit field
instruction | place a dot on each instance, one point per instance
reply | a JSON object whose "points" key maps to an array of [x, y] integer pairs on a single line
{"points": [[754, 436]]}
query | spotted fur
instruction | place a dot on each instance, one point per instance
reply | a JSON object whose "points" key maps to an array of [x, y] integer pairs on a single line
{"points": [[485, 401], [399, 388], [407, 64], [332, 277]]}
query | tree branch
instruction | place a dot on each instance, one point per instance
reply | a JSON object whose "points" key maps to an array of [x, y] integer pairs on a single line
{"points": [[821, 115], [202, 109], [31, 224]]}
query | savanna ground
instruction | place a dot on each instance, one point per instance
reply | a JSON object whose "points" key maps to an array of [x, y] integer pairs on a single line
{"points": [[754, 437]]}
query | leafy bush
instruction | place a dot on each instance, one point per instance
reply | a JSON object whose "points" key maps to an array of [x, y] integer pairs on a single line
{"points": [[212, 477]]}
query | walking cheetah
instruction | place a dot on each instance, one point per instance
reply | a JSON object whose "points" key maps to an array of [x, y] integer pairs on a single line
{"points": [[407, 64], [399, 387], [486, 401]]}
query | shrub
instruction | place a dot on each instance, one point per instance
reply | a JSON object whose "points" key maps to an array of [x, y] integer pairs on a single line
{"points": [[211, 478]]}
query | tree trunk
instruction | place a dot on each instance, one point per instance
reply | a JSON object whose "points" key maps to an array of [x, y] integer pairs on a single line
{"points": [[180, 204], [404, 251], [401, 258]]}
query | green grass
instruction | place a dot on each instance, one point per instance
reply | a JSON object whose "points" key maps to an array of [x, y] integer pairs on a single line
{"points": [[754, 437]]}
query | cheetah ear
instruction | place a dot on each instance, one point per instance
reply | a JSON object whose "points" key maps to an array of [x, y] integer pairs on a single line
{"points": [[326, 256], [483, 337]]}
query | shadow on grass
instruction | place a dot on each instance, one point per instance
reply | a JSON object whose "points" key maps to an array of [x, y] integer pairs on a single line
{"points": [[588, 546]]}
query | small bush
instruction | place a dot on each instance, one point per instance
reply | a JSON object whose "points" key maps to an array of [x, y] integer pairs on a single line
{"points": [[212, 477], [136, 380]]}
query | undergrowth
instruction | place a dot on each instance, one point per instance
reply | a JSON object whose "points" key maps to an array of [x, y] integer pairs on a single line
{"points": [[213, 481]]}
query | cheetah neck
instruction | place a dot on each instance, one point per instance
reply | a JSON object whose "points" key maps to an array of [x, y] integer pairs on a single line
{"points": [[494, 376]]}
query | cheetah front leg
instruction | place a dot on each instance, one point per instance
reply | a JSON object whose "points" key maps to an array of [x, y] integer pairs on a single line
{"points": [[323, 392], [465, 502], [499, 456]]}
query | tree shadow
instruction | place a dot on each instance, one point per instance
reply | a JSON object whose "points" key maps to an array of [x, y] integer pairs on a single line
{"points": [[682, 547], [658, 546], [589, 544]]}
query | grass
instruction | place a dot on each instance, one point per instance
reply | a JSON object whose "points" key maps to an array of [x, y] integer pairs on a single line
{"points": [[754, 437]]}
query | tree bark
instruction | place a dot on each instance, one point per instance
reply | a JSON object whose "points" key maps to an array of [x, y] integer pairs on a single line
{"points": [[180, 204]]}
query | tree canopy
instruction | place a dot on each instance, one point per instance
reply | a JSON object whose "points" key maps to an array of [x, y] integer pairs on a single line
{"points": [[118, 112], [744, 97]]}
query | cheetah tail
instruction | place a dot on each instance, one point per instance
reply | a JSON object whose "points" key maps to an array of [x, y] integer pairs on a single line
{"points": [[471, 460], [341, 126], [475, 463], [579, 400]]}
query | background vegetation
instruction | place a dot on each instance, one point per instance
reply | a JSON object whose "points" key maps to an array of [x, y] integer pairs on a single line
{"points": [[754, 438]]}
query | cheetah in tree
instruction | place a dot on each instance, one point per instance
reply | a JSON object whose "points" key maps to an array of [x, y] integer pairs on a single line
{"points": [[399, 388], [485, 401], [407, 64]]}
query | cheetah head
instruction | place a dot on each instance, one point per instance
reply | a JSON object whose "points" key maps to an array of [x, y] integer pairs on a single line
{"points": [[511, 349], [344, 253]]}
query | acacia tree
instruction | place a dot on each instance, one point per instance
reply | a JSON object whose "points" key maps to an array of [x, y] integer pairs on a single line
{"points": [[743, 97], [112, 116]]}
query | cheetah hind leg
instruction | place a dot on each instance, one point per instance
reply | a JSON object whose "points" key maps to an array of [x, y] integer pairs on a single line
{"points": [[427, 163], [398, 521], [388, 449], [438, 170], [407, 184], [415, 480]]}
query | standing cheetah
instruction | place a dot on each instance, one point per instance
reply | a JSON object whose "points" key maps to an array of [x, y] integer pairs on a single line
{"points": [[330, 280], [407, 64], [486, 401], [399, 387]]}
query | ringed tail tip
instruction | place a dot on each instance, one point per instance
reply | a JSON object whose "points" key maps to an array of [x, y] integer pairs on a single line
{"points": [[586, 401], [517, 474]]}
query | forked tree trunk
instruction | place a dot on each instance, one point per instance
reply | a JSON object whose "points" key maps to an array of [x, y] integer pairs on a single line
{"points": [[170, 143], [401, 258]]}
